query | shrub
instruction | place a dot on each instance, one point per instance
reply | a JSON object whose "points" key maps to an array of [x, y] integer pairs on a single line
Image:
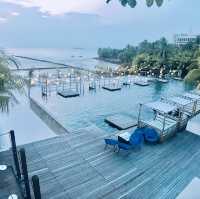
{"points": [[193, 76]]}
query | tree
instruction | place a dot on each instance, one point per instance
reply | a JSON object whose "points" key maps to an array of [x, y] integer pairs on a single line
{"points": [[193, 76], [141, 60], [127, 54], [133, 3], [8, 83]]}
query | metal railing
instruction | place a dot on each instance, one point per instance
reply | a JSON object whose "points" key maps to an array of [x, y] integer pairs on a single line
{"points": [[19, 166]]}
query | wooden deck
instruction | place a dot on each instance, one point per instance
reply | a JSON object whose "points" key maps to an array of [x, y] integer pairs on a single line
{"points": [[8, 182], [76, 165], [121, 121]]}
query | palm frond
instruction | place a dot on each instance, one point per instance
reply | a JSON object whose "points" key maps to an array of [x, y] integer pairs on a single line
{"points": [[149, 2], [9, 83], [133, 3]]}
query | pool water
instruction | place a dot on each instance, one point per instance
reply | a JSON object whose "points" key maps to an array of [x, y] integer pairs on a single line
{"points": [[94, 107]]}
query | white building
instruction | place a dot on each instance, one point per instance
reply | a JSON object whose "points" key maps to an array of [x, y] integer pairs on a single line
{"points": [[182, 39]]}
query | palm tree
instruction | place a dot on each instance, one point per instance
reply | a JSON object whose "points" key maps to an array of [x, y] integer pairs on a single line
{"points": [[133, 3], [9, 82]]}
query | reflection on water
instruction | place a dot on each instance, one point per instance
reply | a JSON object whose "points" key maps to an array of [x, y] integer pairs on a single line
{"points": [[93, 107]]}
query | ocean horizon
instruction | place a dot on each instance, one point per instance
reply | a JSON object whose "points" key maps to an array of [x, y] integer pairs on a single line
{"points": [[80, 57]]}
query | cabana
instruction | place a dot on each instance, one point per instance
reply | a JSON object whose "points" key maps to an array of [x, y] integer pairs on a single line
{"points": [[161, 119], [196, 100], [111, 84], [186, 105]]}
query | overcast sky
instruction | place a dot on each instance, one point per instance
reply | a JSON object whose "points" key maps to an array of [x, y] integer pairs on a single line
{"points": [[92, 23]]}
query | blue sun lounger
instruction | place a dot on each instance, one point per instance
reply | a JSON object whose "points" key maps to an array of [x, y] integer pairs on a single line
{"points": [[135, 141], [150, 135], [111, 142]]}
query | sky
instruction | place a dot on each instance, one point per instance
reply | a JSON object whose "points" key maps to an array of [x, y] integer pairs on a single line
{"points": [[92, 23]]}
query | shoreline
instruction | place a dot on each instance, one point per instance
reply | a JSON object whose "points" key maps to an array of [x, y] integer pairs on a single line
{"points": [[107, 60]]}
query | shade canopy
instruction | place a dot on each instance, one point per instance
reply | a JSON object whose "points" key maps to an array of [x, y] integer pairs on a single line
{"points": [[192, 96], [161, 106], [180, 101]]}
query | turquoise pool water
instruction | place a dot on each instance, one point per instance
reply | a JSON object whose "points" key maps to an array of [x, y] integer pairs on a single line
{"points": [[94, 107]]}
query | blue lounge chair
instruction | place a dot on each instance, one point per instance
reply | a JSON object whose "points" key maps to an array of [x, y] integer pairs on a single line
{"points": [[111, 142], [136, 139], [151, 135], [124, 146], [140, 130]]}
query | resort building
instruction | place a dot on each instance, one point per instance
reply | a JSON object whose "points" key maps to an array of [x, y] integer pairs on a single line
{"points": [[182, 39]]}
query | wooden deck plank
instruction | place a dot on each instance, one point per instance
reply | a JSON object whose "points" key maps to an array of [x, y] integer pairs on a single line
{"points": [[76, 165]]}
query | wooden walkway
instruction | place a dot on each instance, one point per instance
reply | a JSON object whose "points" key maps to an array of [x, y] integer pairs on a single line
{"points": [[76, 165]]}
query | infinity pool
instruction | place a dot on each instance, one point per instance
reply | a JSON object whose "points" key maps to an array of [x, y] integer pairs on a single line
{"points": [[94, 107]]}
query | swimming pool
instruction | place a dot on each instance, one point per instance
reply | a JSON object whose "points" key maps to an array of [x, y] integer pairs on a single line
{"points": [[94, 107]]}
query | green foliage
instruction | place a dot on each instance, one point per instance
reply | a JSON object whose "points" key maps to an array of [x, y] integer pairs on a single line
{"points": [[193, 76], [157, 55], [159, 2], [107, 53], [133, 3], [8, 83], [124, 56], [149, 2]]}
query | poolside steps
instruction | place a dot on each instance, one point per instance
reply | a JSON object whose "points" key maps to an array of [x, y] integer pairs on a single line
{"points": [[111, 88], [68, 93], [69, 170], [121, 121]]}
